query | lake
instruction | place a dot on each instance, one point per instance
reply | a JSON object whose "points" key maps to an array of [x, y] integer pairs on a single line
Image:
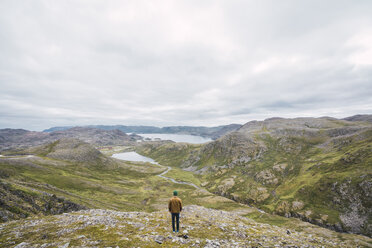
{"points": [[133, 156], [193, 139]]}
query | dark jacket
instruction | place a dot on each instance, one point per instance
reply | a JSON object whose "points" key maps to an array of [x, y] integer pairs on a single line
{"points": [[175, 205]]}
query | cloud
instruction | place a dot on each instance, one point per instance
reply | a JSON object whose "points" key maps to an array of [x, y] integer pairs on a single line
{"points": [[182, 62], [362, 43]]}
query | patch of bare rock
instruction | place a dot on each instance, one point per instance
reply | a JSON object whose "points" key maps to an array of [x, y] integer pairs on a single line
{"points": [[200, 227]]}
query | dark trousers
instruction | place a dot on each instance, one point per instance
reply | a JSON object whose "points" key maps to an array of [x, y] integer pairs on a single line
{"points": [[176, 217]]}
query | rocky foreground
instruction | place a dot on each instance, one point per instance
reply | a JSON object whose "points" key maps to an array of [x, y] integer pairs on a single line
{"points": [[200, 227]]}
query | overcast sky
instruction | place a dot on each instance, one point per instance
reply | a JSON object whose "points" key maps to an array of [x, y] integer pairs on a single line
{"points": [[182, 62]]}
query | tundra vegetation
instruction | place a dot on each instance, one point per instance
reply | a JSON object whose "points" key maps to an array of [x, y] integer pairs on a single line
{"points": [[316, 170]]}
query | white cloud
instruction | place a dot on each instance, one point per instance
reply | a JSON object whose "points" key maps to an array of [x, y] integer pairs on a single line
{"points": [[181, 62], [362, 43]]}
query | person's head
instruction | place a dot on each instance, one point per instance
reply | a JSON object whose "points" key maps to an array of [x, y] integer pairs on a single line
{"points": [[175, 193]]}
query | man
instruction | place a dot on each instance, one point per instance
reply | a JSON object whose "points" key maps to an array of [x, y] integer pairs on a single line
{"points": [[175, 207]]}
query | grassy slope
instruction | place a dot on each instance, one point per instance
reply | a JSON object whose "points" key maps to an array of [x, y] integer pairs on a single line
{"points": [[312, 175], [121, 186]]}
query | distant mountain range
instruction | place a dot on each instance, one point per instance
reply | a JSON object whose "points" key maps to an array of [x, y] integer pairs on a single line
{"points": [[210, 132], [359, 118], [115, 134], [20, 138], [99, 135]]}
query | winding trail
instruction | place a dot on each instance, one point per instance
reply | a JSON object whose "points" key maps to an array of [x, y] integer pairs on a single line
{"points": [[173, 180], [191, 184], [16, 156], [186, 183], [138, 157]]}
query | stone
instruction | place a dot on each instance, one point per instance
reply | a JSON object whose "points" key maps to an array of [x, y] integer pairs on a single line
{"points": [[159, 239], [22, 245], [297, 205], [280, 167], [66, 245]]}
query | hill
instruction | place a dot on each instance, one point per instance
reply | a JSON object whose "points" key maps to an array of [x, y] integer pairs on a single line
{"points": [[11, 139], [75, 175], [367, 118], [315, 169], [72, 150]]}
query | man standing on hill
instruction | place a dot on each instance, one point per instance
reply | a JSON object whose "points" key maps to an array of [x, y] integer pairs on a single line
{"points": [[175, 207]]}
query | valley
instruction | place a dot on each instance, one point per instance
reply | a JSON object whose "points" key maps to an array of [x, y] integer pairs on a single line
{"points": [[194, 124], [318, 170], [301, 172]]}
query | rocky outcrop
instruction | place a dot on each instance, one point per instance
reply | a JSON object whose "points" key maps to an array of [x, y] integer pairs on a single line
{"points": [[72, 150], [17, 203], [356, 200], [226, 184], [200, 227], [266, 177]]}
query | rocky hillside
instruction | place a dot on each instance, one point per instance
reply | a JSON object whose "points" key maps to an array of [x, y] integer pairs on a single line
{"points": [[71, 150], [18, 203], [367, 118], [18, 138], [200, 227], [315, 169], [20, 197]]}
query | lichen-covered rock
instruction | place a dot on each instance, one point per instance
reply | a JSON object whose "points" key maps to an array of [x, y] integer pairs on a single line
{"points": [[200, 227], [226, 184], [283, 208], [280, 167], [259, 194], [267, 177]]}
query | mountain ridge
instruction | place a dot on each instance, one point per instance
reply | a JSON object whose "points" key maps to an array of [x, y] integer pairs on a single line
{"points": [[20, 138], [211, 132]]}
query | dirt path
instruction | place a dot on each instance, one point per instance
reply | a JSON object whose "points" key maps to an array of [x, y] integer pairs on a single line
{"points": [[16, 156], [173, 180]]}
